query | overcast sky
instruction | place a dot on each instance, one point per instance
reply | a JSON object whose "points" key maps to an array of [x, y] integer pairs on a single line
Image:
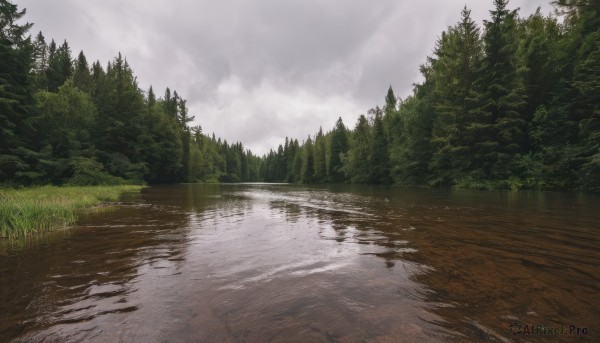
{"points": [[258, 71]]}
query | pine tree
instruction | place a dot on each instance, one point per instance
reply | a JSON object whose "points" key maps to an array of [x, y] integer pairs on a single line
{"points": [[82, 78], [16, 126], [121, 119], [583, 154], [379, 152], [454, 68], [389, 109], [59, 65], [320, 157], [338, 149], [357, 167], [40, 81], [280, 165], [503, 128], [151, 100], [296, 170], [411, 134], [184, 119], [308, 165], [390, 102], [163, 151]]}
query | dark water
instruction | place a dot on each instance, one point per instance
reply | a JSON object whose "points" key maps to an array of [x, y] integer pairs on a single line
{"points": [[280, 263]]}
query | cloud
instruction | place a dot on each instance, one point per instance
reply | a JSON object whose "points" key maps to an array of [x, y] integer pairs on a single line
{"points": [[257, 71], [265, 114]]}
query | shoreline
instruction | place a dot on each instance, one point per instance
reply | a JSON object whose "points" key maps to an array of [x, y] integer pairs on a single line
{"points": [[41, 209]]}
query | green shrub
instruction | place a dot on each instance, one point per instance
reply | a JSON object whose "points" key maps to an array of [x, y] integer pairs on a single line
{"points": [[89, 172]]}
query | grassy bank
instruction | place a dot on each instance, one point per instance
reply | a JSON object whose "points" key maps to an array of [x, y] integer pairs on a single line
{"points": [[23, 211]]}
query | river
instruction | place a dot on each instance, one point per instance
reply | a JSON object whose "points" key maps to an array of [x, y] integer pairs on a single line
{"points": [[291, 263]]}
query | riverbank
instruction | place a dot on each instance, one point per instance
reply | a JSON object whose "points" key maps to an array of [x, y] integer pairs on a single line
{"points": [[28, 210]]}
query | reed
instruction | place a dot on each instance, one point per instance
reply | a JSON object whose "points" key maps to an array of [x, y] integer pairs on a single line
{"points": [[27, 210]]}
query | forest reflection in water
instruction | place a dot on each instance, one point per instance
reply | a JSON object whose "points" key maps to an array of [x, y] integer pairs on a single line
{"points": [[276, 262]]}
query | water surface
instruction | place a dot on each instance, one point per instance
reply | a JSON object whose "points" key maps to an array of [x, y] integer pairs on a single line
{"points": [[285, 263]]}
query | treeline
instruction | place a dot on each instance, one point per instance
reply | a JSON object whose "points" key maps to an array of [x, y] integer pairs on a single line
{"points": [[63, 121], [514, 104], [510, 104]]}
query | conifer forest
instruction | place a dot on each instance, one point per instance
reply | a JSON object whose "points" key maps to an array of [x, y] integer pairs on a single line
{"points": [[510, 103]]}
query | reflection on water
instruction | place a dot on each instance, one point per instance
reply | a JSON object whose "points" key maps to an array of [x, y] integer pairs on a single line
{"points": [[257, 262]]}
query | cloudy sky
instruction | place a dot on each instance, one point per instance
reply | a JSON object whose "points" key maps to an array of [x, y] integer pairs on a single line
{"points": [[258, 71]]}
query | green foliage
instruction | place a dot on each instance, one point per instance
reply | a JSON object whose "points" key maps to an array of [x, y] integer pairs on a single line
{"points": [[62, 121], [452, 75], [67, 118], [320, 150], [356, 166], [89, 172], [379, 153], [511, 104], [59, 65], [338, 150], [296, 170], [82, 78], [16, 129], [411, 140], [308, 165]]}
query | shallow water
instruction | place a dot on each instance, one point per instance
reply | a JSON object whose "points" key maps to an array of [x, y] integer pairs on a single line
{"points": [[265, 263]]}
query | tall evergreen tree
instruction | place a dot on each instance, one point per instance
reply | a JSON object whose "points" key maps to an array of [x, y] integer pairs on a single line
{"points": [[389, 109], [16, 118], [121, 111], [308, 165], [503, 128], [357, 167], [411, 135], [454, 69], [297, 161], [338, 149], [379, 152], [82, 78], [41, 63], [184, 119], [583, 154], [163, 152], [59, 65], [320, 157], [390, 102]]}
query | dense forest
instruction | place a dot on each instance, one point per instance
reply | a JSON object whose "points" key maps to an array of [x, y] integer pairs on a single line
{"points": [[512, 104], [64, 121]]}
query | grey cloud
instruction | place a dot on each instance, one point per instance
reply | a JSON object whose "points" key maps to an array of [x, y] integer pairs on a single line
{"points": [[257, 71]]}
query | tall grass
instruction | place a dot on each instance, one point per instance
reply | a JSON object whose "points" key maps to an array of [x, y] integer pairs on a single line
{"points": [[23, 211]]}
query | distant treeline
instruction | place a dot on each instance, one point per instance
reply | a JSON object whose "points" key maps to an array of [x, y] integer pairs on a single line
{"points": [[512, 105], [64, 121]]}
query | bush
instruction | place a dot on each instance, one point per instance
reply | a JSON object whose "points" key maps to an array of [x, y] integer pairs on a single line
{"points": [[89, 172]]}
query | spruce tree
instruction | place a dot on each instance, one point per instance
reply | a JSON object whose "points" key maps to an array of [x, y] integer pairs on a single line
{"points": [[357, 166], [338, 149], [184, 119], [502, 127], [40, 81], [59, 65], [320, 157], [379, 152], [308, 165], [454, 68], [16, 127], [82, 78]]}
